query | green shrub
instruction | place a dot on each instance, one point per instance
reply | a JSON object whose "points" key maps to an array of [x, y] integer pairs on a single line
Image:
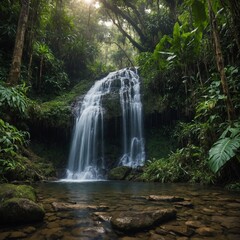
{"points": [[185, 165], [11, 140]]}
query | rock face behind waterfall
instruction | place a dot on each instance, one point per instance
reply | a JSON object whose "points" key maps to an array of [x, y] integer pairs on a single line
{"points": [[92, 142]]}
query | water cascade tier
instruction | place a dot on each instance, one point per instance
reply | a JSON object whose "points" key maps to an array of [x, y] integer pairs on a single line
{"points": [[86, 159]]}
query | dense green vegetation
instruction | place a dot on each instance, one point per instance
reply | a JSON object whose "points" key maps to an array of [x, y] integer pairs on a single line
{"points": [[188, 53]]}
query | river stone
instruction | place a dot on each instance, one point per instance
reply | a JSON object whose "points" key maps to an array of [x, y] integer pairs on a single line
{"points": [[184, 204], [102, 216], [228, 222], [29, 229], [206, 231], [52, 234], [181, 230], [194, 224], [4, 235], [17, 235], [20, 210], [72, 206], [137, 221], [165, 198]]}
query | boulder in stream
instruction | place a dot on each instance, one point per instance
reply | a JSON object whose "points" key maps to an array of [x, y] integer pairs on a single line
{"points": [[18, 205], [137, 221]]}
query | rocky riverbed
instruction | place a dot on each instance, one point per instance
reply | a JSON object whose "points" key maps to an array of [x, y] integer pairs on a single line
{"points": [[131, 211]]}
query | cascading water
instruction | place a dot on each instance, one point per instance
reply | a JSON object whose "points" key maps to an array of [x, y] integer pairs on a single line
{"points": [[86, 159]]}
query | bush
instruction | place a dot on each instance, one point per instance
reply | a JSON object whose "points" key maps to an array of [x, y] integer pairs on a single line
{"points": [[11, 140], [185, 165]]}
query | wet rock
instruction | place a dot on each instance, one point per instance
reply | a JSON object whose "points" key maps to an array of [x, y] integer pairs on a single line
{"points": [[184, 204], [68, 223], [102, 216], [194, 224], [29, 230], [4, 235], [91, 232], [228, 222], [119, 173], [52, 234], [233, 205], [206, 231], [181, 230], [165, 198], [53, 225], [128, 238], [156, 237], [62, 206], [52, 218], [209, 211], [233, 237], [20, 210], [135, 221], [17, 235]]}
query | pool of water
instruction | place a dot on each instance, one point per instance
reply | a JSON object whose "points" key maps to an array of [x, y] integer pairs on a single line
{"points": [[82, 210]]}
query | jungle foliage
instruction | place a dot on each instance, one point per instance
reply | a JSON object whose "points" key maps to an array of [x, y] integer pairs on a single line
{"points": [[188, 57]]}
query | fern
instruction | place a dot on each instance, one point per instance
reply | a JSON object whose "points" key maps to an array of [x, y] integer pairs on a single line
{"points": [[225, 148]]}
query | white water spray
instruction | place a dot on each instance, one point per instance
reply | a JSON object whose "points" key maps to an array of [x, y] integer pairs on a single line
{"points": [[86, 159]]}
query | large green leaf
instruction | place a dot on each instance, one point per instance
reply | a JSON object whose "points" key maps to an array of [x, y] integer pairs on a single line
{"points": [[222, 151]]}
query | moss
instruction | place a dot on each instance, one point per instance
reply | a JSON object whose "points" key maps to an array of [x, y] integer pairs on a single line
{"points": [[17, 191], [119, 173], [57, 112]]}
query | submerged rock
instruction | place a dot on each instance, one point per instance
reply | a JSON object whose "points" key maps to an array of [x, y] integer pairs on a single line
{"points": [[165, 198], [64, 206], [119, 173], [132, 221]]}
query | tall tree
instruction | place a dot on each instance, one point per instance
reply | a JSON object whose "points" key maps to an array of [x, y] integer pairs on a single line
{"points": [[19, 43], [141, 22], [220, 62]]}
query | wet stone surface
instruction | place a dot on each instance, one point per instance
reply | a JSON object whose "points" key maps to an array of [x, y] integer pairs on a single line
{"points": [[91, 211]]}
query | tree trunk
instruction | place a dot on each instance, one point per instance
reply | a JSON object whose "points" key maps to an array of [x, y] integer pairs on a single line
{"points": [[33, 22], [19, 43], [220, 63]]}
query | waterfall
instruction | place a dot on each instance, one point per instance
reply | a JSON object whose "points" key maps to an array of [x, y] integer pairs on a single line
{"points": [[86, 158]]}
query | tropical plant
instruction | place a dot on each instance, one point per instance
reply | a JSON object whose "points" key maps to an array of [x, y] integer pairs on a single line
{"points": [[13, 99], [226, 148], [185, 164], [11, 140]]}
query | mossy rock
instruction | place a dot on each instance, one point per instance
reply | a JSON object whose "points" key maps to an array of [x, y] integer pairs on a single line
{"points": [[18, 205], [8, 191], [119, 173], [20, 210]]}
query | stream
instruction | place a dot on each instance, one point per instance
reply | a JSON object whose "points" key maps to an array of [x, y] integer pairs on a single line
{"points": [[82, 210]]}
